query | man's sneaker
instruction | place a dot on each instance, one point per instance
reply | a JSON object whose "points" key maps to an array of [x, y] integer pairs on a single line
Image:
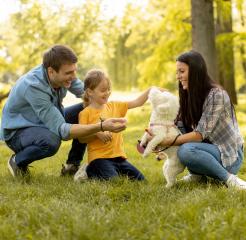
{"points": [[193, 178], [69, 169], [15, 170], [235, 182], [81, 174]]}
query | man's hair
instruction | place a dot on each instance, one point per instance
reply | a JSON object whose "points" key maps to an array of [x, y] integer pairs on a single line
{"points": [[58, 55]]}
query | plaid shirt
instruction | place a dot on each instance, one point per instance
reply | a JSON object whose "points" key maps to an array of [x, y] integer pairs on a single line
{"points": [[219, 125]]}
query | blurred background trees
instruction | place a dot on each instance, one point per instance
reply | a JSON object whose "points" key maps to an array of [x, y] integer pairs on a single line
{"points": [[137, 49]]}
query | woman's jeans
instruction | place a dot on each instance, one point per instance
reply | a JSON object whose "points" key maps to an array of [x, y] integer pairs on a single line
{"points": [[205, 159], [35, 143]]}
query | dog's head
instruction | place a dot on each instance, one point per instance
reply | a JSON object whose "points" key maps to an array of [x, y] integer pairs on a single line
{"points": [[164, 103]]}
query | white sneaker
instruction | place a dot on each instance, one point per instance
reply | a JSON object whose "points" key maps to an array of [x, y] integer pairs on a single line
{"points": [[192, 178], [81, 174], [235, 182]]}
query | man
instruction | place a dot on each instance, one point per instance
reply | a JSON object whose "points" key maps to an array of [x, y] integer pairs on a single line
{"points": [[34, 121]]}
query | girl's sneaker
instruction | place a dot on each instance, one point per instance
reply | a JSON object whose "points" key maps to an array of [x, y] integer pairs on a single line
{"points": [[69, 169], [81, 174]]}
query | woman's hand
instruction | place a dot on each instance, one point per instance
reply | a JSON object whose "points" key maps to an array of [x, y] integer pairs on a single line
{"points": [[104, 136], [165, 143]]}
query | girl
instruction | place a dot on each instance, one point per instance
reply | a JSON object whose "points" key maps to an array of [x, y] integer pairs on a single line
{"points": [[106, 156], [211, 144]]}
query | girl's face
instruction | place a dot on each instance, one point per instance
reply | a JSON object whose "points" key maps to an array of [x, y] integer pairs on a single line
{"points": [[100, 94], [182, 74]]}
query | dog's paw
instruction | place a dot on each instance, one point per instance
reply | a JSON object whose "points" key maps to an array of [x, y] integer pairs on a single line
{"points": [[145, 154], [161, 156], [169, 185]]}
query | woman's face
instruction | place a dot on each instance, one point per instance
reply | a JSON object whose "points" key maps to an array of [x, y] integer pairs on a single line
{"points": [[182, 74]]}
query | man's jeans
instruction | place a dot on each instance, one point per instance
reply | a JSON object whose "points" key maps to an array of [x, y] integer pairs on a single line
{"points": [[205, 159], [35, 143]]}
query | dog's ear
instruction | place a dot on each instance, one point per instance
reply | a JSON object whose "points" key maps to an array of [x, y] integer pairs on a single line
{"points": [[153, 92]]}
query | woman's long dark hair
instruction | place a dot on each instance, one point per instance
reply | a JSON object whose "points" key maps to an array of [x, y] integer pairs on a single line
{"points": [[199, 84]]}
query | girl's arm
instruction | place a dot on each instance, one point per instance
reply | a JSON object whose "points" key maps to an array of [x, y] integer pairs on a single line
{"points": [[87, 139], [140, 100]]}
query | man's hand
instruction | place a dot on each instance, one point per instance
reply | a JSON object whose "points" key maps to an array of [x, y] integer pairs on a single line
{"points": [[104, 136], [114, 124]]}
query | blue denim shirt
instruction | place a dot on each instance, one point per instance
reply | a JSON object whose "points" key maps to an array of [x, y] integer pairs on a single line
{"points": [[33, 102]]}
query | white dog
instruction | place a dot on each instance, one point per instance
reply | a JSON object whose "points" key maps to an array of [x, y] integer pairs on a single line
{"points": [[164, 110]]}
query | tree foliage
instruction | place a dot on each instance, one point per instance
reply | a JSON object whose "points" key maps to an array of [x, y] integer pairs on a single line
{"points": [[138, 49]]}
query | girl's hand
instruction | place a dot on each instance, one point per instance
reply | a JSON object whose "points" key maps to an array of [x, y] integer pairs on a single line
{"points": [[104, 136], [163, 89]]}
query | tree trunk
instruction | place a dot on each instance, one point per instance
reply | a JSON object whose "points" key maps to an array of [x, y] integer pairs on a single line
{"points": [[203, 34], [225, 55]]}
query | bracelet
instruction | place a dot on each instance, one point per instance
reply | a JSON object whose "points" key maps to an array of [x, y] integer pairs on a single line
{"points": [[101, 124], [165, 148], [175, 140]]}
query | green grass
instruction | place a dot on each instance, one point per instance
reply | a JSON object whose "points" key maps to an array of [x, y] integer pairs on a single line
{"points": [[51, 207]]}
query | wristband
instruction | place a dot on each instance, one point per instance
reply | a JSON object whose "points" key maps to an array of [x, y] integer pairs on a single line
{"points": [[165, 148], [101, 124]]}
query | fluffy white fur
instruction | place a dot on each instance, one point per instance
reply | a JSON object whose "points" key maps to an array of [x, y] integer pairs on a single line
{"points": [[164, 110]]}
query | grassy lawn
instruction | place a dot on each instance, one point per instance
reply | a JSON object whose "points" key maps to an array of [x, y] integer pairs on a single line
{"points": [[51, 207]]}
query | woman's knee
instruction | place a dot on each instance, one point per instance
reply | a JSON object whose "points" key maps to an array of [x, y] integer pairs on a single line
{"points": [[186, 153]]}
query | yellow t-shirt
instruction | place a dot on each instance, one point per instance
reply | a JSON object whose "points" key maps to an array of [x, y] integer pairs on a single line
{"points": [[96, 148]]}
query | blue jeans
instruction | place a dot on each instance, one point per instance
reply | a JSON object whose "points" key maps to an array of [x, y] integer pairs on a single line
{"points": [[205, 159], [35, 143], [106, 168]]}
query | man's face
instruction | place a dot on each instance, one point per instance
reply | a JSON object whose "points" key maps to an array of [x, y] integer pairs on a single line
{"points": [[64, 77]]}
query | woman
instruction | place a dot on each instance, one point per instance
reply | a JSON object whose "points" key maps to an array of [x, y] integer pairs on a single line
{"points": [[211, 144]]}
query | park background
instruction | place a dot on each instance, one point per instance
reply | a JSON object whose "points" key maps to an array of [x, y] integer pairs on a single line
{"points": [[137, 43]]}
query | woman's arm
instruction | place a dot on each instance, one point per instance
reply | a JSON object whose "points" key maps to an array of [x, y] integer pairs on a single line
{"points": [[185, 138]]}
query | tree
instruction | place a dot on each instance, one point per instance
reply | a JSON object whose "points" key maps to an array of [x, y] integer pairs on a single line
{"points": [[122, 57], [203, 33], [161, 34], [240, 43], [224, 47], [37, 26]]}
